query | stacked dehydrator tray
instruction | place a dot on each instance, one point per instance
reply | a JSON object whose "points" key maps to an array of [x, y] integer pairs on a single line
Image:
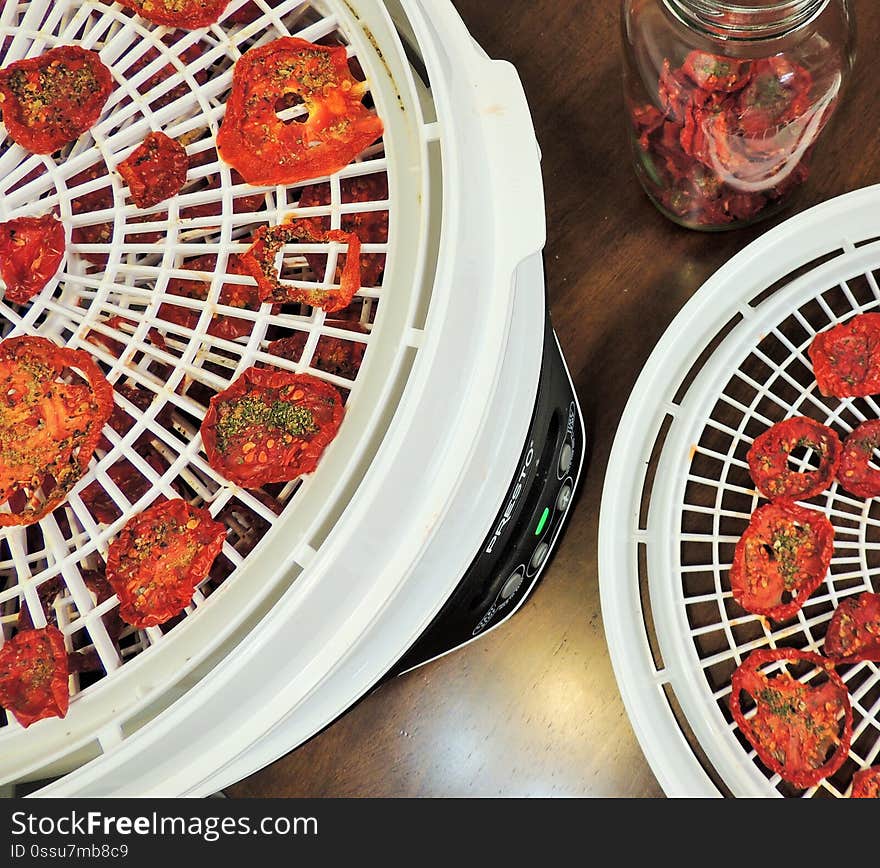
{"points": [[432, 514]]}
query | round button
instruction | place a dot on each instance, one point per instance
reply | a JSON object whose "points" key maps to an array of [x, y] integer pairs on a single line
{"points": [[511, 586], [564, 498], [539, 556], [565, 457]]}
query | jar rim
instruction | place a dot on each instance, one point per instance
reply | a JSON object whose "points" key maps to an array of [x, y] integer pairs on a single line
{"points": [[741, 20]]}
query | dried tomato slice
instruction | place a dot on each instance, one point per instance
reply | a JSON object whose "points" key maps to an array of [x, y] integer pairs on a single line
{"points": [[158, 559], [768, 459], [846, 358], [334, 355], [269, 241], [795, 725], [854, 630], [33, 675], [777, 93], [267, 150], [231, 294], [714, 72], [49, 427], [270, 426], [51, 100], [31, 251], [856, 474], [155, 170], [866, 784], [186, 14], [785, 551], [370, 227]]}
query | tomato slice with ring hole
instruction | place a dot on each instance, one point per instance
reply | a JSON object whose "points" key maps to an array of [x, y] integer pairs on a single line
{"points": [[269, 241], [781, 559], [158, 559], [33, 675], [768, 459], [270, 426], [31, 252], [800, 730], [854, 630], [267, 150], [51, 100], [53, 405]]}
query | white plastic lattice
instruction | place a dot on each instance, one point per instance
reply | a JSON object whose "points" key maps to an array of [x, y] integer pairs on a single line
{"points": [[117, 297], [680, 495]]}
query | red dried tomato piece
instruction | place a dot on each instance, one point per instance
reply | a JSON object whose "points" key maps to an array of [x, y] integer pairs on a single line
{"points": [[186, 14], [33, 675], [784, 553], [269, 241], [31, 252], [158, 559], [768, 459], [334, 355], [267, 150], [856, 474], [231, 294], [270, 426], [777, 93], [854, 630], [675, 92], [49, 428], [866, 784], [51, 100], [714, 72], [370, 227], [155, 170], [797, 729], [846, 358]]}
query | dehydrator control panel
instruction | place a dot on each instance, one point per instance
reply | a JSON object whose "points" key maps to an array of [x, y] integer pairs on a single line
{"points": [[528, 523]]}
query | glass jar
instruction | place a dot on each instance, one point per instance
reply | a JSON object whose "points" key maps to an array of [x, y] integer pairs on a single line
{"points": [[726, 101]]}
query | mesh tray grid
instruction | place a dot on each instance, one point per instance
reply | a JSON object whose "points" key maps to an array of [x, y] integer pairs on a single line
{"points": [[775, 381], [108, 300]]}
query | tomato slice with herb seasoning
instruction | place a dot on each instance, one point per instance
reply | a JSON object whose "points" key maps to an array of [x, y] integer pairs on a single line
{"points": [[800, 731], [856, 474], [267, 150], [714, 72], [781, 559], [270, 426], [854, 630], [846, 358], [269, 241], [51, 100], [186, 14], [54, 404], [33, 675], [777, 93], [158, 559], [31, 252], [155, 170], [866, 784], [370, 227], [768, 459]]}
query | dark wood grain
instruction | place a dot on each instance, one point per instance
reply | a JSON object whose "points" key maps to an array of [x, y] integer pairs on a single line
{"points": [[533, 710]]}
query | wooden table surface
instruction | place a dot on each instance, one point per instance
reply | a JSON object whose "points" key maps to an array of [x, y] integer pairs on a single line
{"points": [[533, 709]]}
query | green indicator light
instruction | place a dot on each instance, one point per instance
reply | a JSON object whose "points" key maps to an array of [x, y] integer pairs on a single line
{"points": [[544, 516]]}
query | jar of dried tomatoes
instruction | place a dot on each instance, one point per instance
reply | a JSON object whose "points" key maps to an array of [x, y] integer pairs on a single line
{"points": [[726, 101]]}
